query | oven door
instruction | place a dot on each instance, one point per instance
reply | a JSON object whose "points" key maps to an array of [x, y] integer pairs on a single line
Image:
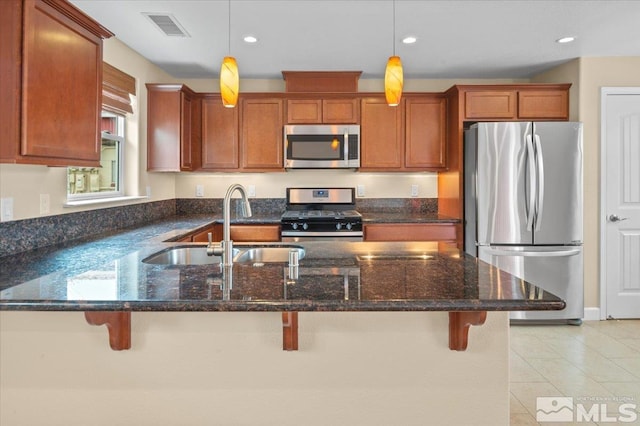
{"points": [[321, 146]]}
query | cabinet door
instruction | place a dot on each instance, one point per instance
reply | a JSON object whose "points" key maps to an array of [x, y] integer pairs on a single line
{"points": [[341, 111], [255, 233], [304, 111], [61, 87], [240, 233], [490, 104], [261, 137], [381, 144], [219, 135], [171, 127], [410, 232], [186, 159], [543, 104], [163, 129], [425, 133]]}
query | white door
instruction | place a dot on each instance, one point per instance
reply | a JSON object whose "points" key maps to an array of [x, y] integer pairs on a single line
{"points": [[620, 209]]}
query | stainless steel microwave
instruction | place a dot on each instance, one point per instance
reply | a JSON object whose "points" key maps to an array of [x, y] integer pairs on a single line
{"points": [[322, 146]]}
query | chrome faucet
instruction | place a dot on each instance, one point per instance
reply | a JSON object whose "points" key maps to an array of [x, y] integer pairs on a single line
{"points": [[225, 247]]}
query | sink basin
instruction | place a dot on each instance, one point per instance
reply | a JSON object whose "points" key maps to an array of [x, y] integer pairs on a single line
{"points": [[197, 255], [193, 255], [268, 254]]}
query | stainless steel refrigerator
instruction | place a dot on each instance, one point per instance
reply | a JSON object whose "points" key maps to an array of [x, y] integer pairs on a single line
{"points": [[523, 207]]}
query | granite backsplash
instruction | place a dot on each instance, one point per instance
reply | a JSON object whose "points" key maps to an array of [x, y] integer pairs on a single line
{"points": [[28, 234]]}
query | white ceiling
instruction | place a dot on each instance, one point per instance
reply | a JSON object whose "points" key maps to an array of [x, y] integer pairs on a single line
{"points": [[456, 39]]}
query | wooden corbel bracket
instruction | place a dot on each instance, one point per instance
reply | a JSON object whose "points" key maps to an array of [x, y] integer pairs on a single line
{"points": [[118, 324], [459, 323], [289, 331]]}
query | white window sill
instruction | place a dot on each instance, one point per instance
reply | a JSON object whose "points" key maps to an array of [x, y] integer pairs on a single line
{"points": [[88, 202]]}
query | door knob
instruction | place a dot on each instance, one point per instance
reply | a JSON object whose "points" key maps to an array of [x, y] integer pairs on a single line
{"points": [[616, 218]]}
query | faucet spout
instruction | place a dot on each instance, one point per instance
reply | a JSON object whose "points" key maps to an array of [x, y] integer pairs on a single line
{"points": [[226, 245]]}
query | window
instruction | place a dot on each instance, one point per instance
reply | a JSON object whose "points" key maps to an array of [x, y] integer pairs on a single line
{"points": [[106, 180]]}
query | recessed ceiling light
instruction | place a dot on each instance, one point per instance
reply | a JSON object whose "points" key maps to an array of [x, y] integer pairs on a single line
{"points": [[565, 40], [250, 39], [409, 40]]}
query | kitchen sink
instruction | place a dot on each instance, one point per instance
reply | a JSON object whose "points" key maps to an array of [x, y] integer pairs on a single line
{"points": [[197, 255], [267, 254]]}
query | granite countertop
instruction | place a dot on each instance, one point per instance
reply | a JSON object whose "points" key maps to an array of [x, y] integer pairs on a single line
{"points": [[405, 217], [107, 273]]}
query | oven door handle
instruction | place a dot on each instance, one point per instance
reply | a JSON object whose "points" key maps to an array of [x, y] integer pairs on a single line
{"points": [[321, 234]]}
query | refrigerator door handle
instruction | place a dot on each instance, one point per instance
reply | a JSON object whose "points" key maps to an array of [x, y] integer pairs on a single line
{"points": [[531, 156], [540, 182], [554, 253]]}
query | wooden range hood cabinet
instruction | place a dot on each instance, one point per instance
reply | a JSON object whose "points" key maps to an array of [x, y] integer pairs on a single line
{"points": [[321, 81]]}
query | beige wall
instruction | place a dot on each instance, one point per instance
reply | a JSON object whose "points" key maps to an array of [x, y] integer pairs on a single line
{"points": [[221, 368], [589, 75]]}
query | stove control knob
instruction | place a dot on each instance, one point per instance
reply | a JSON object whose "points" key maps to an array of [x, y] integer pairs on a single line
{"points": [[294, 226], [349, 226], [338, 226], [305, 226]]}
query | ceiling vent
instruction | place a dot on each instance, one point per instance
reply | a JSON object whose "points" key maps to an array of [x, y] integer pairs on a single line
{"points": [[168, 24]]}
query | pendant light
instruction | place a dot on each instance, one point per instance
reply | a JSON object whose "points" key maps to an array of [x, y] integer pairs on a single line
{"points": [[393, 78], [229, 76]]}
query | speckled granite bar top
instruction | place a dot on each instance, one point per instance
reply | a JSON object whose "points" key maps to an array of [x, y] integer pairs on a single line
{"points": [[108, 274]]}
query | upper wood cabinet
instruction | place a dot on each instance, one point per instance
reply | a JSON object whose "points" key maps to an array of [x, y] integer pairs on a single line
{"points": [[323, 111], [381, 136], [409, 137], [425, 132], [516, 102], [220, 148], [489, 104], [51, 59], [538, 104], [173, 128], [261, 134]]}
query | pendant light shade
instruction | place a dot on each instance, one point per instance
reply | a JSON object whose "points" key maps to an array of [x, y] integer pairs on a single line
{"points": [[229, 82], [393, 81]]}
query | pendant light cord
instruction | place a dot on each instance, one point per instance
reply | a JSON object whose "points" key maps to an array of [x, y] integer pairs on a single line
{"points": [[229, 27], [394, 27]]}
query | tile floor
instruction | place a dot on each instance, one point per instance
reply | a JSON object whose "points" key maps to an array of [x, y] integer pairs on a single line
{"points": [[597, 362]]}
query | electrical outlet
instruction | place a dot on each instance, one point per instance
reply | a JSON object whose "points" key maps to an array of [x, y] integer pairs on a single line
{"points": [[149, 191], [251, 191], [45, 204], [360, 191], [6, 209], [414, 190], [199, 191]]}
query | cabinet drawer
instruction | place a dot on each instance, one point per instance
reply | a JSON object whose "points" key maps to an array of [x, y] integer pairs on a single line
{"points": [[410, 232], [490, 104]]}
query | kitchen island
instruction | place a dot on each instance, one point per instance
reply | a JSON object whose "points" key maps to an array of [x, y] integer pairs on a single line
{"points": [[368, 352]]}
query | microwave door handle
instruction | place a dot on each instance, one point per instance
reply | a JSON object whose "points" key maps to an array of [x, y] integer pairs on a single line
{"points": [[346, 145]]}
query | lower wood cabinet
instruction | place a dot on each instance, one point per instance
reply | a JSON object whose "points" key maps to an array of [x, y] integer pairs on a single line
{"points": [[240, 233], [410, 232]]}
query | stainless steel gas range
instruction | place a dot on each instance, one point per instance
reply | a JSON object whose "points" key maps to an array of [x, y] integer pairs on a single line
{"points": [[321, 214]]}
